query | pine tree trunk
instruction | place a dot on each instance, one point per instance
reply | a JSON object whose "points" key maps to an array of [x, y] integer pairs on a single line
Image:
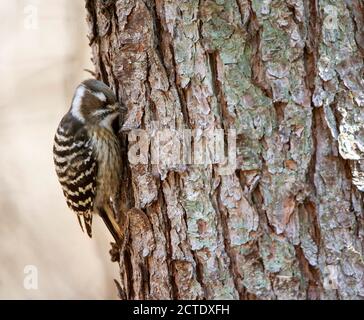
{"points": [[287, 76]]}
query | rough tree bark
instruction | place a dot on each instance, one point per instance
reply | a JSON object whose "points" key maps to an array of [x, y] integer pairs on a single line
{"points": [[288, 76]]}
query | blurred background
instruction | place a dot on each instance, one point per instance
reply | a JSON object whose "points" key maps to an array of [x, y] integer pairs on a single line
{"points": [[43, 253]]}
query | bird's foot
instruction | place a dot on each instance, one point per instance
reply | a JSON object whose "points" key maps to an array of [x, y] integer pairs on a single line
{"points": [[114, 252]]}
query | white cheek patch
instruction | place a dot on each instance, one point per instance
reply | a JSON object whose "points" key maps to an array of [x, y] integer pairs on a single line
{"points": [[108, 120], [76, 104], [100, 95], [100, 112]]}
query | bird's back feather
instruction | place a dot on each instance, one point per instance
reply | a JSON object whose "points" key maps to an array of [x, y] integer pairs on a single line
{"points": [[76, 167]]}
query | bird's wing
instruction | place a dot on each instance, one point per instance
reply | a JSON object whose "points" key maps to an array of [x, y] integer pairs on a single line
{"points": [[76, 167]]}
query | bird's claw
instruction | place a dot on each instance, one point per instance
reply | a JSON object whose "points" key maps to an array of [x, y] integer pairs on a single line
{"points": [[114, 252]]}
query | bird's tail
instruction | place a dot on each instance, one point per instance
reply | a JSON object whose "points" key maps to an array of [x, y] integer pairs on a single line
{"points": [[108, 216], [87, 222]]}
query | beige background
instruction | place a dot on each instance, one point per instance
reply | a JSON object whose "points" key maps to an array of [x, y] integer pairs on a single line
{"points": [[42, 56]]}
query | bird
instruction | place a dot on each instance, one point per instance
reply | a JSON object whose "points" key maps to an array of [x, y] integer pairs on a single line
{"points": [[86, 154]]}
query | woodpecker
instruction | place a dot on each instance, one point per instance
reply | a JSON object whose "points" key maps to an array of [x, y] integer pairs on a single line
{"points": [[87, 156]]}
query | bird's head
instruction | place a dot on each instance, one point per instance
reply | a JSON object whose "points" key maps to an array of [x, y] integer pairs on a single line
{"points": [[95, 103]]}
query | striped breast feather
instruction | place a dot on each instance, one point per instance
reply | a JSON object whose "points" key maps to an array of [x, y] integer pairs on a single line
{"points": [[76, 168]]}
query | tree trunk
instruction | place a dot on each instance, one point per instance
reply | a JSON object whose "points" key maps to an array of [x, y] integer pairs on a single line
{"points": [[287, 76]]}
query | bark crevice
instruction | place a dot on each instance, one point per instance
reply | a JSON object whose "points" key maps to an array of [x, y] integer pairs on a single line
{"points": [[287, 222]]}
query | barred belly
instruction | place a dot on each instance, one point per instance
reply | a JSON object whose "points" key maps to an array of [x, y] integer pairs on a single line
{"points": [[107, 152]]}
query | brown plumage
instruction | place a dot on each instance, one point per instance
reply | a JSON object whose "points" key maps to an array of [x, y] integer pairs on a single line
{"points": [[87, 156]]}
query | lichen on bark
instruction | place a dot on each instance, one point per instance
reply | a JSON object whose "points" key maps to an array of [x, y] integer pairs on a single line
{"points": [[287, 76]]}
